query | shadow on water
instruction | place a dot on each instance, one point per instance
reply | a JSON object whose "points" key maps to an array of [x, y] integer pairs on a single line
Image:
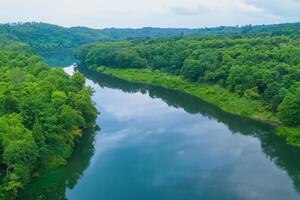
{"points": [[275, 148], [52, 185]]}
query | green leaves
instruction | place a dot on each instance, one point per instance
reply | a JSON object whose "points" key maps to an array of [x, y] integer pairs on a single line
{"points": [[58, 98], [23, 151], [20, 152], [71, 118], [42, 114], [289, 109]]}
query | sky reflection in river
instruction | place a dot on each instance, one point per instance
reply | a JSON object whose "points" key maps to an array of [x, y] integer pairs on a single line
{"points": [[162, 144], [149, 150]]}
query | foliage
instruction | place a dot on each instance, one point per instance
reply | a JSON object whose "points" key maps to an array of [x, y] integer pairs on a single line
{"points": [[43, 37], [292, 135], [42, 113], [289, 109]]}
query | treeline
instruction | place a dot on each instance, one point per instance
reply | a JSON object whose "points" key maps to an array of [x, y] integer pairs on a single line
{"points": [[266, 69], [43, 112], [44, 37]]}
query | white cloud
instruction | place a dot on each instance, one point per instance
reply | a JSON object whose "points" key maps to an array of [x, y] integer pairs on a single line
{"points": [[284, 9], [158, 13]]}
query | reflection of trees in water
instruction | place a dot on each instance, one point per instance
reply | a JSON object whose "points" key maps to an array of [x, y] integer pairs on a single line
{"points": [[275, 148], [52, 185]]}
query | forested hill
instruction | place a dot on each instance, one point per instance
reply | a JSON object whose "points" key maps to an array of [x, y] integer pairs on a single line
{"points": [[47, 37], [222, 31]]}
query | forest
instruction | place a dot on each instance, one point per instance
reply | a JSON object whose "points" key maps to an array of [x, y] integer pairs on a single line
{"points": [[43, 113], [43, 37], [264, 69]]}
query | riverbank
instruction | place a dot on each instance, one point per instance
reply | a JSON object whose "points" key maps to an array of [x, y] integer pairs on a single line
{"points": [[215, 95]]}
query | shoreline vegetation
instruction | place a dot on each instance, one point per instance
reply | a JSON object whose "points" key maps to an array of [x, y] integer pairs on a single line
{"points": [[43, 115], [256, 76], [216, 95]]}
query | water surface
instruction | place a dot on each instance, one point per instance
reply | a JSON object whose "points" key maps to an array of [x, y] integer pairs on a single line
{"points": [[162, 144]]}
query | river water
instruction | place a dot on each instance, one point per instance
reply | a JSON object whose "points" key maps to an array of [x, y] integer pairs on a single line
{"points": [[160, 144]]}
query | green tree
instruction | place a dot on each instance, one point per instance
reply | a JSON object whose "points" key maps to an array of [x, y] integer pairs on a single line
{"points": [[289, 109]]}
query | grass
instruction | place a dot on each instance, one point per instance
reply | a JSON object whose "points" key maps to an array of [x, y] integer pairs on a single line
{"points": [[292, 135], [216, 95]]}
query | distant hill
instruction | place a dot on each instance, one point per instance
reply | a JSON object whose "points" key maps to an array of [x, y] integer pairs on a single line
{"points": [[47, 39], [249, 30], [42, 36]]}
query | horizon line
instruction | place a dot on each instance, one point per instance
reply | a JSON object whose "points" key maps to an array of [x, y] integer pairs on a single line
{"points": [[144, 27]]}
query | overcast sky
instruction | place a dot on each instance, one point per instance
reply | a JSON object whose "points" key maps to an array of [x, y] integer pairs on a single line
{"points": [[155, 13]]}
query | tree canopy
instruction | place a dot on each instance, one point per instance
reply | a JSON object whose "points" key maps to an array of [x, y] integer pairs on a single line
{"points": [[42, 114]]}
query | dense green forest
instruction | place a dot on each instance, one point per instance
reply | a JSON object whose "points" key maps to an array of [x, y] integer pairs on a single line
{"points": [[57, 44], [43, 112], [43, 37], [222, 31], [47, 37], [264, 69]]}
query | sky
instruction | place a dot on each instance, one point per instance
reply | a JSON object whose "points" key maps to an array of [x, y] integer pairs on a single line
{"points": [[150, 13]]}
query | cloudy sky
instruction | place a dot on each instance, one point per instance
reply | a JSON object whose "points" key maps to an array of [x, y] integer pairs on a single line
{"points": [[155, 13]]}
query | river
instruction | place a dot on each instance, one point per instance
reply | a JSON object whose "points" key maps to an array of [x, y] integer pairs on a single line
{"points": [[160, 144]]}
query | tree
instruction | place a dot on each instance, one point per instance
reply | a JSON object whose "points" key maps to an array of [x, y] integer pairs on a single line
{"points": [[37, 132], [78, 81], [192, 69], [71, 118], [289, 109], [23, 152], [58, 98], [39, 124]]}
